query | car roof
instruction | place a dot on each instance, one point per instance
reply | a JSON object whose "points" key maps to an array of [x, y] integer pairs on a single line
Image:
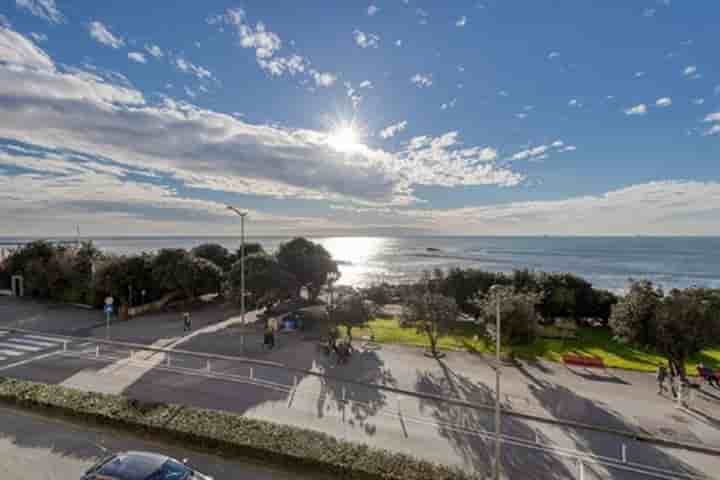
{"points": [[133, 465]]}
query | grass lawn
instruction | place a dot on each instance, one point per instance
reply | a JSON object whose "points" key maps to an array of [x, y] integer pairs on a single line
{"points": [[590, 341]]}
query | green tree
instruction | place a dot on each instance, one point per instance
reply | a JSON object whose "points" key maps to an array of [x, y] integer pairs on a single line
{"points": [[214, 252], [251, 248], [687, 321], [116, 276], [308, 262], [633, 317], [265, 280], [177, 270], [351, 311], [431, 314], [517, 314]]}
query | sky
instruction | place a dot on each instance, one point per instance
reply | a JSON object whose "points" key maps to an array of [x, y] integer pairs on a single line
{"points": [[388, 117]]}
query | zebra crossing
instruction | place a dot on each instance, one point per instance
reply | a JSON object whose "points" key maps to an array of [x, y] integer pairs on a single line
{"points": [[14, 346]]}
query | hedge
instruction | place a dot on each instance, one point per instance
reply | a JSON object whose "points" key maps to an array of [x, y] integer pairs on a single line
{"points": [[228, 433]]}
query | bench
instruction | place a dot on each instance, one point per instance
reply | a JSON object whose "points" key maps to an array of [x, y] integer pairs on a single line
{"points": [[583, 361]]}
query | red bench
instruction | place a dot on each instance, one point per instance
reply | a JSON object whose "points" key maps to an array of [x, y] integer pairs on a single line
{"points": [[582, 361]]}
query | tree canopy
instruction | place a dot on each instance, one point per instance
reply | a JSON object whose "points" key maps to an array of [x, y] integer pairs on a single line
{"points": [[517, 311], [265, 280], [431, 314], [309, 262], [215, 253]]}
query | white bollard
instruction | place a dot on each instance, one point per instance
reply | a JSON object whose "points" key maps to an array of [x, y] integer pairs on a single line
{"points": [[624, 453], [97, 351], [294, 381], [252, 373], [207, 367], [167, 359], [65, 346], [581, 469]]}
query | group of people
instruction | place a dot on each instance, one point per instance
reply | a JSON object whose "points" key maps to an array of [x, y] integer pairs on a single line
{"points": [[664, 376]]}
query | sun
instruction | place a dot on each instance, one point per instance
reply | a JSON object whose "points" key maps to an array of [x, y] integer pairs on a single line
{"points": [[344, 139]]}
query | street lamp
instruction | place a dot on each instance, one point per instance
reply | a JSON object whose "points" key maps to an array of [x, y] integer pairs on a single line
{"points": [[242, 268], [496, 290], [331, 279]]}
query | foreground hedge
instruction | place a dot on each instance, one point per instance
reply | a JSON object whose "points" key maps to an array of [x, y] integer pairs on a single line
{"points": [[228, 433]]}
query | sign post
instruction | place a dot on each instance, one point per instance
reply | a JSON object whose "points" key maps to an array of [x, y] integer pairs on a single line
{"points": [[108, 313]]}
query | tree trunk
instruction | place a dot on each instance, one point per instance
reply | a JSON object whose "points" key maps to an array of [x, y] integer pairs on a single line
{"points": [[433, 342], [349, 333]]}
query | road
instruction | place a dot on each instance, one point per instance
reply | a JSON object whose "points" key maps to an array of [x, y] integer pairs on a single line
{"points": [[35, 447], [426, 429]]}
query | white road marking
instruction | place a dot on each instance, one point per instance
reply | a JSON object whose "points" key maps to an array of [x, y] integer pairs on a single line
{"points": [[26, 348], [32, 342], [40, 337], [29, 360], [12, 353]]}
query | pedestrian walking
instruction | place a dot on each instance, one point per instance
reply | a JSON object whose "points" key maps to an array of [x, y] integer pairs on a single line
{"points": [[661, 377], [186, 322]]}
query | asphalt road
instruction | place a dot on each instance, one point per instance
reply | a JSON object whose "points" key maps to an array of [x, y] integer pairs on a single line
{"points": [[35, 447]]}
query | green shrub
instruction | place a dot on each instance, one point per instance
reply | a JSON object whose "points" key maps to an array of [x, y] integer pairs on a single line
{"points": [[228, 433]]}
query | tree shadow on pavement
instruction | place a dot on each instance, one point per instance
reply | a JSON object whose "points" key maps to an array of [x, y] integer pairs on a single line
{"points": [[362, 402], [460, 426], [561, 402]]}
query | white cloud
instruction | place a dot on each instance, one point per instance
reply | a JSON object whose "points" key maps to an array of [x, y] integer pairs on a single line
{"points": [[154, 50], [137, 57], [698, 101], [640, 109], [398, 43], [639, 74], [39, 37], [450, 104], [366, 40], [423, 16], [4, 22], [663, 102], [552, 55], [189, 92], [461, 22], [521, 115], [649, 12], [575, 103], [534, 153], [352, 95], [277, 66], [391, 130], [422, 80], [100, 32], [443, 161], [372, 10], [690, 70], [266, 45], [188, 67], [715, 128], [42, 8], [655, 208], [17, 49], [366, 84], [323, 79]]}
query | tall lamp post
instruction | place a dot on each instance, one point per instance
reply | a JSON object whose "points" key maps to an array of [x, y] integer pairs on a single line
{"points": [[242, 268], [496, 290]]}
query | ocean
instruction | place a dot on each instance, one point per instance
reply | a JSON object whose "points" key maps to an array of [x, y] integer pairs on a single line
{"points": [[607, 262]]}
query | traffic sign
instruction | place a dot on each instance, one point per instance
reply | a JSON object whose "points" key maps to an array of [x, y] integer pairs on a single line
{"points": [[109, 300]]}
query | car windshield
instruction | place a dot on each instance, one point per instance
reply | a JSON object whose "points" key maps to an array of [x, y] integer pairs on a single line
{"points": [[171, 470]]}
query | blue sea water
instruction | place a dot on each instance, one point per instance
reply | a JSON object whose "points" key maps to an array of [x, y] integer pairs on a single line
{"points": [[607, 262]]}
